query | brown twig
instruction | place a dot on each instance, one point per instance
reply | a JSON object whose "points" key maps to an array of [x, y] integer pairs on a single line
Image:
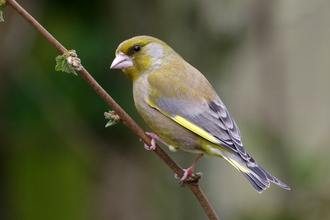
{"points": [[127, 120]]}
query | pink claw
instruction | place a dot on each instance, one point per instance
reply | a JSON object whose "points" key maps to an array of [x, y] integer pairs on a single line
{"points": [[154, 137], [188, 172], [153, 145]]}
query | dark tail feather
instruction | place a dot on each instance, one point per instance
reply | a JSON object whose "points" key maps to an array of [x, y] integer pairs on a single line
{"points": [[274, 180], [255, 183], [258, 177]]}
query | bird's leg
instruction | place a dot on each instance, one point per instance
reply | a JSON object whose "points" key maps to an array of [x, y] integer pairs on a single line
{"points": [[154, 137], [188, 172]]}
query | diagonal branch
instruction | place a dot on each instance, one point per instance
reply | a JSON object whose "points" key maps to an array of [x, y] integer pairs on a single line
{"points": [[127, 120]]}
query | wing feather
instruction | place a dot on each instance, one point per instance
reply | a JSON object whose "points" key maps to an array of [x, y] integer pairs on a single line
{"points": [[209, 115]]}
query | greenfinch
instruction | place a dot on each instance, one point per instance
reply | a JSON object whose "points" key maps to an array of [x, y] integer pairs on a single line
{"points": [[180, 105]]}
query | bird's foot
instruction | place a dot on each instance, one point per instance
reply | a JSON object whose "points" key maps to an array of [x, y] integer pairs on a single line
{"points": [[188, 175], [188, 178], [152, 147], [154, 137]]}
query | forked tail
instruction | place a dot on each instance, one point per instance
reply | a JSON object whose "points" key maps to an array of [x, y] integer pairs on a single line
{"points": [[258, 177]]}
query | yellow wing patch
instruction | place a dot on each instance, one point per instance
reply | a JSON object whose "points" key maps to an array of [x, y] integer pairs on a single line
{"points": [[194, 128], [187, 124]]}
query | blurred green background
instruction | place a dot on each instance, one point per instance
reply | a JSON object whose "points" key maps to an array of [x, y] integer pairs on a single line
{"points": [[268, 60]]}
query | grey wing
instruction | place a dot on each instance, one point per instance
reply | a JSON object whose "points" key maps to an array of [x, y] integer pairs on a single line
{"points": [[213, 117]]}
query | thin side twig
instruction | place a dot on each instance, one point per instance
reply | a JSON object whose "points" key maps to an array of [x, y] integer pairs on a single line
{"points": [[127, 120]]}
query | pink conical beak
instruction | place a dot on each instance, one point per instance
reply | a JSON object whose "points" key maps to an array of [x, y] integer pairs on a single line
{"points": [[121, 61]]}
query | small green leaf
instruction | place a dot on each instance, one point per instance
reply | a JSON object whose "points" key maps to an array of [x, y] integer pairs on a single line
{"points": [[68, 62], [113, 118]]}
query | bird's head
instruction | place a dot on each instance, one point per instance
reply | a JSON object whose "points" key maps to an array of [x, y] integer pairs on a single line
{"points": [[140, 55]]}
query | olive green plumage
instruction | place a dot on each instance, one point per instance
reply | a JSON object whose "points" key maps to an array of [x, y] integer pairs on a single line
{"points": [[181, 106]]}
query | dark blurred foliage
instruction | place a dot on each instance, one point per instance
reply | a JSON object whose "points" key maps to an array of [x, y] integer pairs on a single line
{"points": [[269, 61]]}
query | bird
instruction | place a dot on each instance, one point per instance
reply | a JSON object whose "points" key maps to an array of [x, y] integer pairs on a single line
{"points": [[179, 104]]}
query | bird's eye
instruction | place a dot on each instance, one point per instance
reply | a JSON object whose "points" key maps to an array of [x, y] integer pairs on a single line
{"points": [[136, 48]]}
